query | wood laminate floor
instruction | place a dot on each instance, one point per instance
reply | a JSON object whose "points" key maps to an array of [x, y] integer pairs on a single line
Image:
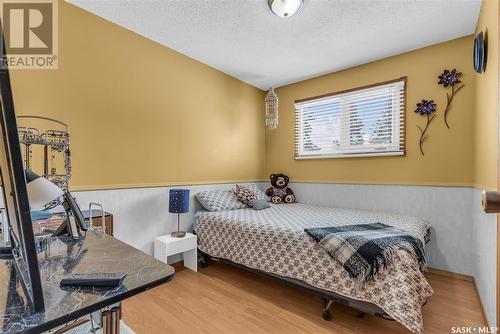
{"points": [[223, 299]]}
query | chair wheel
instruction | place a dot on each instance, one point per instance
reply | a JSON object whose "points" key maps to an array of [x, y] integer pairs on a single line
{"points": [[327, 315]]}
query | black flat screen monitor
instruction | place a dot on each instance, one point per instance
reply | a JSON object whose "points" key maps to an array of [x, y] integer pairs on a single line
{"points": [[16, 197]]}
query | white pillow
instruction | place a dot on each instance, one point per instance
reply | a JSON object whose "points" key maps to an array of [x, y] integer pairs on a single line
{"points": [[219, 200]]}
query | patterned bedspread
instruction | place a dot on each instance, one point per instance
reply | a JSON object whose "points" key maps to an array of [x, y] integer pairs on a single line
{"points": [[273, 240]]}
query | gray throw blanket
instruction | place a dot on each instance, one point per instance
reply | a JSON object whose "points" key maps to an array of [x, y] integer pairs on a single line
{"points": [[365, 249]]}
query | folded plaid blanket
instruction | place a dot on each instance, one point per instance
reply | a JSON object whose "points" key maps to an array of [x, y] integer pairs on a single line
{"points": [[365, 249]]}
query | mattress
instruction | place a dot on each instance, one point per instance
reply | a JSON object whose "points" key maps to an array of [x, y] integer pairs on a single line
{"points": [[273, 240]]}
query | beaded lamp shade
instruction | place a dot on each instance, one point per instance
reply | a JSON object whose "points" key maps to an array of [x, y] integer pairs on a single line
{"points": [[271, 103]]}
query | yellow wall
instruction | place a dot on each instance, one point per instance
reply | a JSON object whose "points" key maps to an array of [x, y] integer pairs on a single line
{"points": [[486, 107], [141, 114], [448, 153]]}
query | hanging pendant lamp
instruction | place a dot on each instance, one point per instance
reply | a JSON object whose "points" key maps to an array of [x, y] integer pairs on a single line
{"points": [[271, 103]]}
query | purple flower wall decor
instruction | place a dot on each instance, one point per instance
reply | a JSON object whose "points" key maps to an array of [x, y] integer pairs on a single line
{"points": [[452, 79], [425, 108]]}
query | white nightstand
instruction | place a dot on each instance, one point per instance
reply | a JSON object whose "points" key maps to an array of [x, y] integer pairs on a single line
{"points": [[166, 245]]}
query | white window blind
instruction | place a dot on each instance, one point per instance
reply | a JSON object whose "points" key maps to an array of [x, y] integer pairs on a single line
{"points": [[361, 122]]}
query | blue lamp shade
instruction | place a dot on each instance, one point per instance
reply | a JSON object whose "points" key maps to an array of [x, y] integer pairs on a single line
{"points": [[179, 201]]}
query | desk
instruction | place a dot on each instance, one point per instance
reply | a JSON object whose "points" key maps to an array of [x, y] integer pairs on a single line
{"points": [[59, 256]]}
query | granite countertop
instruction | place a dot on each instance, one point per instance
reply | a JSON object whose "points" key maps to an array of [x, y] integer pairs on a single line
{"points": [[59, 256]]}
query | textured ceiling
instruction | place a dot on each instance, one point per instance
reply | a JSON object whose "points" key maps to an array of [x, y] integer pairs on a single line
{"points": [[245, 40]]}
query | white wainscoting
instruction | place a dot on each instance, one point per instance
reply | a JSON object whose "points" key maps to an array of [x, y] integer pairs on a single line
{"points": [[463, 237], [484, 239], [141, 214], [448, 209]]}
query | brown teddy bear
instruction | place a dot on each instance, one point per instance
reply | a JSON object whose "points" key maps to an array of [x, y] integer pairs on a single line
{"points": [[279, 192]]}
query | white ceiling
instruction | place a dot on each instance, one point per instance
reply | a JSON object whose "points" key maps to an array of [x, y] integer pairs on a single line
{"points": [[244, 39]]}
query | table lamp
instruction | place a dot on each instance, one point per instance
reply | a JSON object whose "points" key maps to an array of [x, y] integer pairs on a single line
{"points": [[40, 191], [178, 203]]}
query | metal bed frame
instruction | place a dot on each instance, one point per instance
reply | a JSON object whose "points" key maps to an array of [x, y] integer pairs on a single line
{"points": [[328, 297]]}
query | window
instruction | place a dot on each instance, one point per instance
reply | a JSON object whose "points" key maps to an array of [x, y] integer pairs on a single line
{"points": [[366, 121]]}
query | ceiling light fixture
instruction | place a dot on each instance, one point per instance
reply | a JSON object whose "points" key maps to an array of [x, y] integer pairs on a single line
{"points": [[285, 8]]}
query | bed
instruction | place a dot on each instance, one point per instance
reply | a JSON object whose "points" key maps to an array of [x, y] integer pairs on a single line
{"points": [[273, 242]]}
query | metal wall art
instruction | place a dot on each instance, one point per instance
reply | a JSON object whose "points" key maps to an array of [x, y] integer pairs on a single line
{"points": [[451, 79], [425, 108]]}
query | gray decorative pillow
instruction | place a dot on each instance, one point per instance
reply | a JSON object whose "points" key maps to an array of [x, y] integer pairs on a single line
{"points": [[258, 193], [259, 204], [219, 200]]}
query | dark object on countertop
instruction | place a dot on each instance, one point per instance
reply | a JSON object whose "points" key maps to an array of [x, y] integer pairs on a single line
{"points": [[94, 279]]}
